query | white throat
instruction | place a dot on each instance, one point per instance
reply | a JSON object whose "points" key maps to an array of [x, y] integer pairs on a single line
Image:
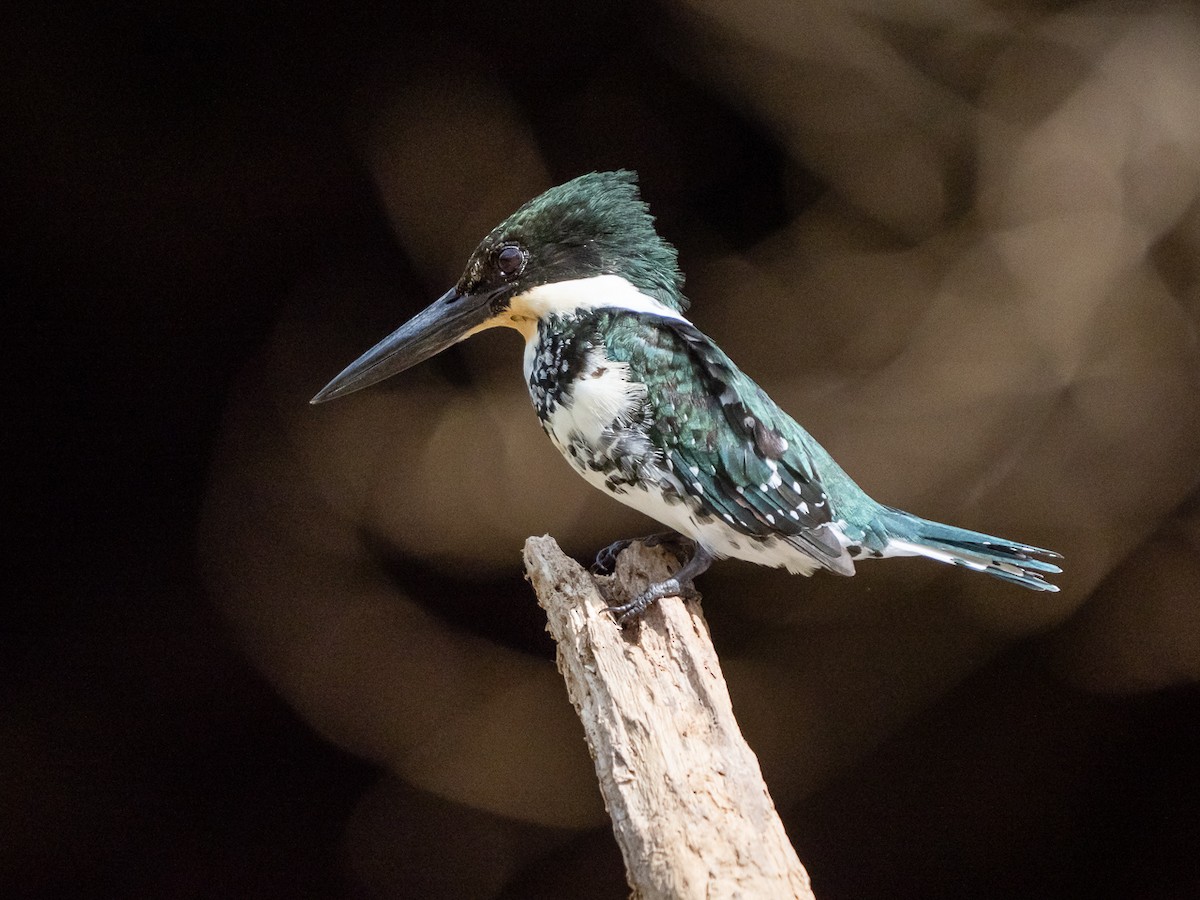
{"points": [[581, 295]]}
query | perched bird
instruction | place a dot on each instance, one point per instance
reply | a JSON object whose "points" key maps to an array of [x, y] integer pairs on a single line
{"points": [[647, 408]]}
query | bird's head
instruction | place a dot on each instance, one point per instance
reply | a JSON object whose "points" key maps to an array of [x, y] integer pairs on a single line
{"points": [[587, 243]]}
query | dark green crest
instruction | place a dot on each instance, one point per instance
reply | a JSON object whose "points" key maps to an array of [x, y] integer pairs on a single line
{"points": [[596, 224]]}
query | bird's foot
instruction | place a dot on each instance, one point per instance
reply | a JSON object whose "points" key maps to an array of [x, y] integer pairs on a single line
{"points": [[678, 585], [606, 560], [633, 610]]}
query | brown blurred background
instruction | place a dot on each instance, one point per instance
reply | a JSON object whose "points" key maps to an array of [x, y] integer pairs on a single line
{"points": [[257, 649]]}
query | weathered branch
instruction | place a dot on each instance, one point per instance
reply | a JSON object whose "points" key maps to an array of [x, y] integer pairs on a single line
{"points": [[684, 790]]}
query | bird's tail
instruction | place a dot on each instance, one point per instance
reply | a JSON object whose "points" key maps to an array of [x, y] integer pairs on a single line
{"points": [[910, 535]]}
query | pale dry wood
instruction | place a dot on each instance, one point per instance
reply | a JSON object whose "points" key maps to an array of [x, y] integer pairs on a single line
{"points": [[685, 793]]}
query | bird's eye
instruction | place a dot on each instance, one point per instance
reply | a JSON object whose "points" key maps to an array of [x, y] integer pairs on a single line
{"points": [[510, 261]]}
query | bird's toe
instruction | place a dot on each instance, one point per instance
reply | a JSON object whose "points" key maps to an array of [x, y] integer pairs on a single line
{"points": [[605, 562], [682, 547], [626, 613]]}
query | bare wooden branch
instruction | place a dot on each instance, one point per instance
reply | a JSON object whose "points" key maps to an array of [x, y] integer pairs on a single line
{"points": [[685, 792]]}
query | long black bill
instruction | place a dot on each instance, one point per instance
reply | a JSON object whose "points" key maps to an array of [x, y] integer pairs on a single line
{"points": [[442, 323]]}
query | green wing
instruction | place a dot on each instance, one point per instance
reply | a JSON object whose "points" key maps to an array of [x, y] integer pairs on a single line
{"points": [[730, 446]]}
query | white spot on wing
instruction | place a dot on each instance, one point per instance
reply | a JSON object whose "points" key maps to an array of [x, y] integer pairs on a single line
{"points": [[775, 480]]}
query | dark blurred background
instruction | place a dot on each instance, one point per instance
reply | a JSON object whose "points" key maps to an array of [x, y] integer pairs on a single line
{"points": [[255, 649]]}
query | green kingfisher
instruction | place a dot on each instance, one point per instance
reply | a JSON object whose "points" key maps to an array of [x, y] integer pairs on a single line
{"points": [[648, 408]]}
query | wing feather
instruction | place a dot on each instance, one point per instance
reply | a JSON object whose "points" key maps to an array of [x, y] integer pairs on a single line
{"points": [[733, 449]]}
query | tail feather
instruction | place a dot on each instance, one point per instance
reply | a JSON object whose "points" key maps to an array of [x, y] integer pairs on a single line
{"points": [[1007, 560]]}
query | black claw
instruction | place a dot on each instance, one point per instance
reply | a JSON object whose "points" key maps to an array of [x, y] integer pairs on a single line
{"points": [[679, 585], [625, 613], [606, 560], [636, 608]]}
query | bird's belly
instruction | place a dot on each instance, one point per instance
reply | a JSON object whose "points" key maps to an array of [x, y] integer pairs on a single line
{"points": [[681, 515]]}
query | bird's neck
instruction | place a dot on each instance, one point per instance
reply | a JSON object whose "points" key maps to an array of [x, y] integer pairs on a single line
{"points": [[568, 300]]}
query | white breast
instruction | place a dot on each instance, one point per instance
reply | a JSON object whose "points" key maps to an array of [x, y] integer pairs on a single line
{"points": [[602, 399]]}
